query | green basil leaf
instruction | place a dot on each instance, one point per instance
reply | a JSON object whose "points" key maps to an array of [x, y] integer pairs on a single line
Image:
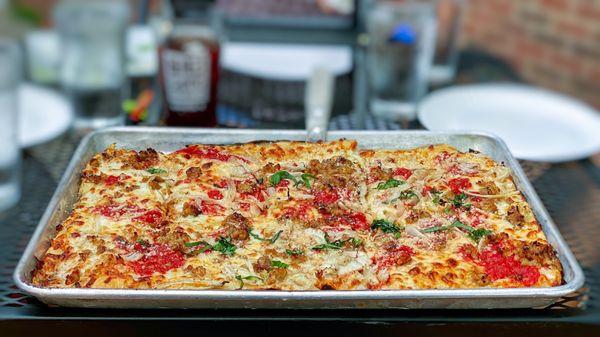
{"points": [[271, 240], [275, 237], [256, 236], [337, 244], [474, 234], [385, 226], [249, 277], [155, 170], [389, 184], [436, 196], [459, 201], [279, 264], [459, 224], [435, 229], [225, 247], [407, 194], [478, 234], [305, 177], [277, 177], [356, 242], [294, 252], [328, 244], [205, 246], [143, 243]]}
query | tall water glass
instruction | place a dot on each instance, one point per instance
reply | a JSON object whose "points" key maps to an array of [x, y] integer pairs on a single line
{"points": [[445, 61], [399, 56], [92, 36], [10, 154]]}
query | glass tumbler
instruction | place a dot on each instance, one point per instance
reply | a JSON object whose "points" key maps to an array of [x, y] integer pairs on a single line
{"points": [[401, 40], [92, 37], [10, 153], [445, 60]]}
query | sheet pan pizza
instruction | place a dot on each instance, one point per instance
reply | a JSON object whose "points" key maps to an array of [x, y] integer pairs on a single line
{"points": [[298, 216]]}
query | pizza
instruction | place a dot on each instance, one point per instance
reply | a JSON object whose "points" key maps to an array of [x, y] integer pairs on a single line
{"points": [[298, 216]]}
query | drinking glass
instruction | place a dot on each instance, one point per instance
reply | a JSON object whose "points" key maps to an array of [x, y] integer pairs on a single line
{"points": [[399, 56], [92, 36], [10, 154], [445, 60]]}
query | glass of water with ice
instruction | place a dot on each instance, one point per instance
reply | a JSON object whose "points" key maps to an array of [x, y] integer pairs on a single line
{"points": [[10, 152], [92, 38], [399, 56]]}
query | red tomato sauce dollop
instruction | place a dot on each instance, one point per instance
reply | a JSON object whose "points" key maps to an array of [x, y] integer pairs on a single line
{"points": [[498, 266], [208, 153], [457, 185], [403, 172], [151, 217], [157, 258], [396, 256], [326, 196], [214, 194]]}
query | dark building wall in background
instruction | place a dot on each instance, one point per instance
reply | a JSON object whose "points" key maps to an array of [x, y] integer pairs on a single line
{"points": [[551, 43]]}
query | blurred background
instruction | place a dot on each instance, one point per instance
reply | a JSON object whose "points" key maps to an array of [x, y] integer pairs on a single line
{"points": [[551, 43]]}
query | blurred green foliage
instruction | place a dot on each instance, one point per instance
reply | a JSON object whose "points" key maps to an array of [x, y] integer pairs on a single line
{"points": [[25, 13]]}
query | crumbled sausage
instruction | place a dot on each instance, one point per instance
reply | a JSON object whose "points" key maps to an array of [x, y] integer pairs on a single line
{"points": [[481, 278], [91, 177], [176, 238], [415, 215], [143, 159], [270, 168], [536, 252], [130, 188], [190, 209], [154, 182], [246, 187], [263, 263], [488, 188], [469, 251], [237, 226], [198, 271], [278, 274], [72, 277], [193, 172], [334, 172], [94, 162], [414, 271], [496, 239], [488, 205], [514, 216], [377, 173]]}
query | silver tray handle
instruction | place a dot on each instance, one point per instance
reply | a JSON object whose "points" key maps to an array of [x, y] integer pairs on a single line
{"points": [[317, 103]]}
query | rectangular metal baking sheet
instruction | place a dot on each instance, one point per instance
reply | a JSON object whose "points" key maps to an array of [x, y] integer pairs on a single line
{"points": [[168, 139]]}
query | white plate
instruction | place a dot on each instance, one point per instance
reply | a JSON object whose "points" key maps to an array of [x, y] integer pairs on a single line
{"points": [[43, 115], [536, 124], [287, 62]]}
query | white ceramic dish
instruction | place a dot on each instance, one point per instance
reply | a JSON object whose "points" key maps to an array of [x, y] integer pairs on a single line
{"points": [[536, 124], [285, 62], [43, 115]]}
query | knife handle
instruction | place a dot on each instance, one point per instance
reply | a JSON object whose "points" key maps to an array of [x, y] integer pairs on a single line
{"points": [[317, 103]]}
